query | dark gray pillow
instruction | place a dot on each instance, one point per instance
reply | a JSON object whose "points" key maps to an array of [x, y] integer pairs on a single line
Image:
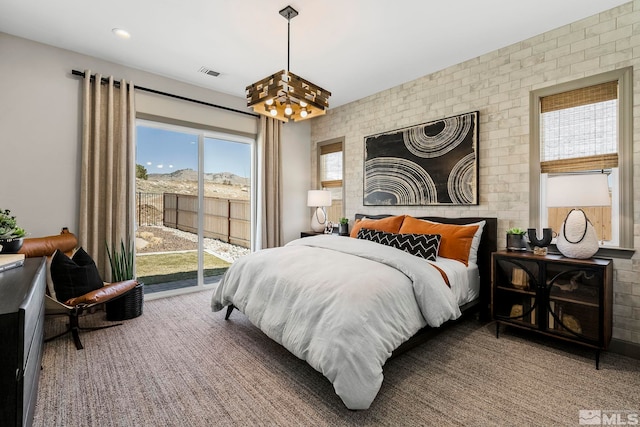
{"points": [[73, 277], [422, 245]]}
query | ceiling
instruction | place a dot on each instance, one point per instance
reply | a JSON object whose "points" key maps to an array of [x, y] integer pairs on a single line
{"points": [[352, 48]]}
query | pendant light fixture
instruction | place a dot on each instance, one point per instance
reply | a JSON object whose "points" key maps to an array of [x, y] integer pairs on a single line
{"points": [[284, 95]]}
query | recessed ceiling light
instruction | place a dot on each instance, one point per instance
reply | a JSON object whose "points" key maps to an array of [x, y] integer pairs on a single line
{"points": [[123, 34]]}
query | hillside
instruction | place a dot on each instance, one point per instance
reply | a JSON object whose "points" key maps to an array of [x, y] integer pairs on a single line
{"points": [[227, 178], [185, 181]]}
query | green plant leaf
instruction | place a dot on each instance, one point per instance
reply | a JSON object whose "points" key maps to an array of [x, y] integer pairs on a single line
{"points": [[9, 227], [121, 261], [517, 230]]}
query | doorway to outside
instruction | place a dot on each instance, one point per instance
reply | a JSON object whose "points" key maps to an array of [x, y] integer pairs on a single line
{"points": [[193, 205]]}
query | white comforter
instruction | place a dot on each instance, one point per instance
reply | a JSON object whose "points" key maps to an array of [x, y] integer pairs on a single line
{"points": [[341, 304]]}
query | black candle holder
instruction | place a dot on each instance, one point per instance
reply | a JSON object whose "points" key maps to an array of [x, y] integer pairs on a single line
{"points": [[540, 246]]}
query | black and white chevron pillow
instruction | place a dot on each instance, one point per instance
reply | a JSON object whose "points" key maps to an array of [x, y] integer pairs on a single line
{"points": [[422, 245]]}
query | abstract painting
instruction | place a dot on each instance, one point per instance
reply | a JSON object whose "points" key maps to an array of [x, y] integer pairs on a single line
{"points": [[434, 163]]}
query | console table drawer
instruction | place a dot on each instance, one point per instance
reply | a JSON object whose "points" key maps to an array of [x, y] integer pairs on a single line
{"points": [[33, 362], [33, 304]]}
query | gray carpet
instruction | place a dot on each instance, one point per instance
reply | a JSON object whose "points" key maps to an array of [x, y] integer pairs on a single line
{"points": [[179, 364]]}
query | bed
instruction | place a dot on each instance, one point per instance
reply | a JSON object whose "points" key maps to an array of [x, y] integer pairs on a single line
{"points": [[346, 305]]}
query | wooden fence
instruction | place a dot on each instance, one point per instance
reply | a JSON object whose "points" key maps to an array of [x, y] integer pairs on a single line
{"points": [[226, 219]]}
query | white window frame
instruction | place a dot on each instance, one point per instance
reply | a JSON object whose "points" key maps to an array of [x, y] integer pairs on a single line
{"points": [[624, 206], [201, 133], [318, 162]]}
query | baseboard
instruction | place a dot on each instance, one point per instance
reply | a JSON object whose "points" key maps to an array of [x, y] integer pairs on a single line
{"points": [[625, 348]]}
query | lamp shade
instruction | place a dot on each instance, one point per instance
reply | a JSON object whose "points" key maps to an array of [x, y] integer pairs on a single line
{"points": [[578, 190], [317, 198]]}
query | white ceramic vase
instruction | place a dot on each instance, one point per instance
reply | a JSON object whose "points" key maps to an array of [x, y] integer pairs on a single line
{"points": [[318, 220], [577, 237]]}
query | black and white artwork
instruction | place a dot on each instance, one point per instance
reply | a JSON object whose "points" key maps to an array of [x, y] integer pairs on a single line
{"points": [[434, 163]]}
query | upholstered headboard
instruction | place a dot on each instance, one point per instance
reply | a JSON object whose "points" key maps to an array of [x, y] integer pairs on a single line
{"points": [[488, 245]]}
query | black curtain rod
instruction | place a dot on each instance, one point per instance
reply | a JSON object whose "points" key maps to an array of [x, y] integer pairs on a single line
{"points": [[170, 95]]}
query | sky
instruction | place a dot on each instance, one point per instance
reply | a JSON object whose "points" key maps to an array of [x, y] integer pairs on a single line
{"points": [[164, 151]]}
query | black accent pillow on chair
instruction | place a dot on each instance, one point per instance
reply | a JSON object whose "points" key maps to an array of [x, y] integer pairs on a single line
{"points": [[75, 276]]}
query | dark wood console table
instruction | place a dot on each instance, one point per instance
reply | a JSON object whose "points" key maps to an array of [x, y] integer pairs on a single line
{"points": [[22, 291], [569, 299]]}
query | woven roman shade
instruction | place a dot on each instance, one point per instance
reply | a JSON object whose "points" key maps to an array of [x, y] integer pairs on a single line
{"points": [[583, 96], [581, 139], [325, 169], [590, 163], [331, 148]]}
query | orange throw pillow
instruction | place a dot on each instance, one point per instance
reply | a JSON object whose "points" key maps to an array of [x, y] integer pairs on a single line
{"points": [[456, 239], [390, 225]]}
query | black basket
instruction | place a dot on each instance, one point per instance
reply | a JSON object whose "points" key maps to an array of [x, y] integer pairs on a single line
{"points": [[128, 305]]}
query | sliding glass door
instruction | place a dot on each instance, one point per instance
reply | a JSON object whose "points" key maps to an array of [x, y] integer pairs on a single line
{"points": [[193, 205]]}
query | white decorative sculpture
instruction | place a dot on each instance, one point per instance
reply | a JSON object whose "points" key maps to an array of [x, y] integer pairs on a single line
{"points": [[319, 220], [318, 199], [577, 237]]}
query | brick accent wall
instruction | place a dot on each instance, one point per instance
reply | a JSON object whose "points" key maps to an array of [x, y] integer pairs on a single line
{"points": [[498, 84]]}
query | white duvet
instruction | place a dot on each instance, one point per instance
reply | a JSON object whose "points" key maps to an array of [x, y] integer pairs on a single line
{"points": [[341, 304]]}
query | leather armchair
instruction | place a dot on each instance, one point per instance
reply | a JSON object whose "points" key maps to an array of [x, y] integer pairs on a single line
{"points": [[73, 307]]}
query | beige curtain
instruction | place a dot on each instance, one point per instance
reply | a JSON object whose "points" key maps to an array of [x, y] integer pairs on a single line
{"points": [[270, 184], [108, 168]]}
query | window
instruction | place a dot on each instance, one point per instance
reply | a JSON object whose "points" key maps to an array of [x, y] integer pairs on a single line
{"points": [[330, 171], [581, 127]]}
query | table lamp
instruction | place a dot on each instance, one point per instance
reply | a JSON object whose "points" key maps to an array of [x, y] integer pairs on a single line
{"points": [[318, 199], [577, 238]]}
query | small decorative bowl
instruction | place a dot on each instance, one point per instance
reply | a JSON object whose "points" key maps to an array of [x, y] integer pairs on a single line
{"points": [[11, 245]]}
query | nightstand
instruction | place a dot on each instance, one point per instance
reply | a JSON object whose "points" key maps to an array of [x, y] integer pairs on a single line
{"points": [[308, 233], [565, 298], [313, 233]]}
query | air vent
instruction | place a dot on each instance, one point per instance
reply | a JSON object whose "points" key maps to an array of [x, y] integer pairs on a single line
{"points": [[209, 71]]}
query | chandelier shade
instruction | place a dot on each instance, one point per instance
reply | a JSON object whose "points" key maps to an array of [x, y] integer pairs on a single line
{"points": [[284, 95]]}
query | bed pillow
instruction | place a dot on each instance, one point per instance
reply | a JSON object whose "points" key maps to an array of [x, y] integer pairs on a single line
{"points": [[390, 225], [75, 276], [475, 243], [456, 239], [421, 245]]}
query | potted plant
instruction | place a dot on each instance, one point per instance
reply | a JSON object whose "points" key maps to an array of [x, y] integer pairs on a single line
{"points": [[516, 240], [11, 236], [122, 262], [344, 226]]}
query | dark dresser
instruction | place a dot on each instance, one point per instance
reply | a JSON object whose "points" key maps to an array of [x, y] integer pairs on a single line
{"points": [[22, 291]]}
